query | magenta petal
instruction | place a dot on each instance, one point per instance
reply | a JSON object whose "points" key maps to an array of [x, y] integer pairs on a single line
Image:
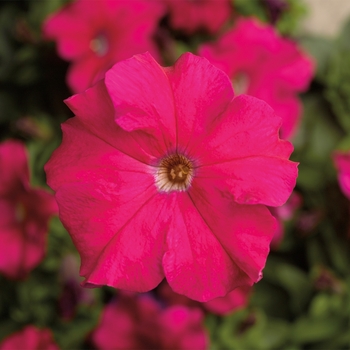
{"points": [[119, 232], [342, 163], [248, 127], [11, 262], [294, 60], [153, 112], [207, 15], [273, 66], [90, 158], [87, 71], [210, 93], [196, 264], [182, 328], [23, 227], [139, 322], [24, 214], [30, 338], [289, 108], [249, 158], [231, 302], [13, 158], [254, 180], [244, 231], [92, 140], [118, 327], [72, 29]]}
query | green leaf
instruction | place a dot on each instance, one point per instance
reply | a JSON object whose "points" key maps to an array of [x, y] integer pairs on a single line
{"points": [[72, 334], [337, 250], [292, 279], [307, 329], [321, 49], [276, 334]]}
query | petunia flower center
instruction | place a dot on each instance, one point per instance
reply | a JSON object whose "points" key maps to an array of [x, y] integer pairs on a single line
{"points": [[175, 173], [100, 44], [240, 83]]}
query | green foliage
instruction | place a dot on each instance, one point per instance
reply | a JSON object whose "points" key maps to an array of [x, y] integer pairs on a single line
{"points": [[251, 8], [334, 73], [288, 24], [314, 143], [288, 19]]}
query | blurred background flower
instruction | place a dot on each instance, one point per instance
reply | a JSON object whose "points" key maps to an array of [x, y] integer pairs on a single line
{"points": [[140, 322], [96, 34], [30, 338], [24, 214]]}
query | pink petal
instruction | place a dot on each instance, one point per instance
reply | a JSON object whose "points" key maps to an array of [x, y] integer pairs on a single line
{"points": [[276, 67], [342, 163], [295, 61], [201, 93], [24, 218], [89, 158], [283, 101], [252, 161], [244, 231], [119, 231], [139, 322], [153, 111], [182, 328], [72, 29], [13, 158], [248, 127], [30, 338], [190, 16], [289, 108], [196, 264], [12, 247], [93, 140], [117, 327], [233, 301], [254, 180], [138, 21], [83, 73], [344, 181]]}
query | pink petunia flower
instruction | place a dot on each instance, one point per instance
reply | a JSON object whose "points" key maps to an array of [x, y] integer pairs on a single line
{"points": [[24, 214], [30, 338], [233, 301], [96, 34], [162, 173], [342, 163], [139, 322], [192, 15], [265, 65]]}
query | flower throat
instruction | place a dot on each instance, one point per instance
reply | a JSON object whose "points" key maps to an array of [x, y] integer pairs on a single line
{"points": [[175, 173]]}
